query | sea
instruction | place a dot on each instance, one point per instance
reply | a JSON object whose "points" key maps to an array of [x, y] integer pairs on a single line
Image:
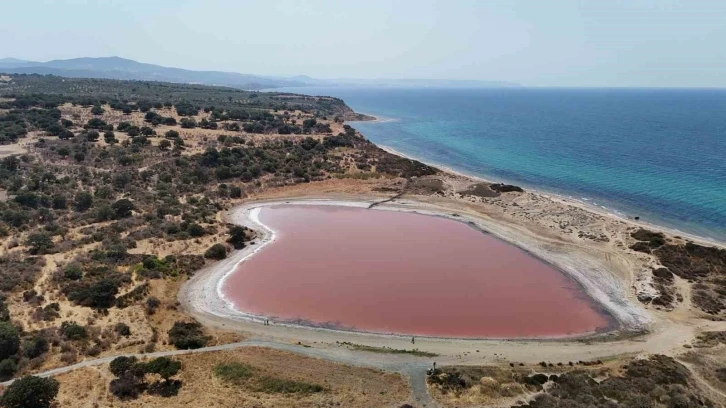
{"points": [[656, 154]]}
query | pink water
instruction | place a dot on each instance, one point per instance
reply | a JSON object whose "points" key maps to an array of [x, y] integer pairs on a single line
{"points": [[404, 273]]}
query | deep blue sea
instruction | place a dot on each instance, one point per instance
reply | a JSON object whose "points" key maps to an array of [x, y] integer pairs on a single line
{"points": [[657, 154]]}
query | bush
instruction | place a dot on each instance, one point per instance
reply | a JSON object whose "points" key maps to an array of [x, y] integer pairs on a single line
{"points": [[30, 392], [195, 230], [9, 340], [35, 347], [237, 236], [274, 385], [73, 331], [188, 123], [84, 201], [122, 329], [8, 368], [39, 243], [100, 294], [233, 372], [165, 389], [122, 208], [216, 251], [127, 387], [185, 336], [163, 366], [235, 192], [122, 365]]}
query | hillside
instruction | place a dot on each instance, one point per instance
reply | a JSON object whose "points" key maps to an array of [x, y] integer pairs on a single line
{"points": [[126, 69]]}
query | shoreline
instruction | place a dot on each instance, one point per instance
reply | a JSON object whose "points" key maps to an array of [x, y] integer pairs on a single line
{"points": [[203, 293], [562, 197], [569, 200]]}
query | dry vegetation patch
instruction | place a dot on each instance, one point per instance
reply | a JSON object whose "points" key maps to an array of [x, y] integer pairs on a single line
{"points": [[341, 385]]}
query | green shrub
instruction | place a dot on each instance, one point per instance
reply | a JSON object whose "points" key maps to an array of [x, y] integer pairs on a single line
{"points": [[186, 336], [39, 243], [122, 365], [216, 251], [73, 331], [233, 372], [9, 340], [36, 346], [164, 366], [8, 368], [273, 385], [30, 392]]}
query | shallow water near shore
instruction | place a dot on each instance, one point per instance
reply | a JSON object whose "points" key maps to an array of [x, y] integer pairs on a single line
{"points": [[659, 154], [404, 273]]}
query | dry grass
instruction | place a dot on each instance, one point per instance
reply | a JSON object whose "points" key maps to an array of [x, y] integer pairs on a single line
{"points": [[345, 386]]}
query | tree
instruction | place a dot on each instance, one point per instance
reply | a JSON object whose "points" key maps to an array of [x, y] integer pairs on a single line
{"points": [[121, 365], [195, 230], [64, 151], [110, 137], [128, 386], [188, 123], [123, 208], [84, 201], [59, 202], [164, 144], [122, 329], [171, 134], [9, 340], [237, 236], [97, 110], [93, 135], [216, 251], [39, 243], [164, 366], [30, 392], [185, 336], [73, 331], [11, 163], [35, 347], [235, 192], [8, 368]]}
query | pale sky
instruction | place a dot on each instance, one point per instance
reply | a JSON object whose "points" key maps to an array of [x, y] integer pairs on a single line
{"points": [[538, 42]]}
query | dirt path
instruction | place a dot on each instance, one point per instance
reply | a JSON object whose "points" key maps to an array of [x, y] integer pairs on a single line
{"points": [[705, 386], [414, 368]]}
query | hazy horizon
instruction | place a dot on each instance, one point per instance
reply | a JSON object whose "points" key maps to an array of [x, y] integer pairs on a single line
{"points": [[562, 44]]}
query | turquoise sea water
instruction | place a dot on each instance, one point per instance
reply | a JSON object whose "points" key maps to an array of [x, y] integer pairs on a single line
{"points": [[657, 154]]}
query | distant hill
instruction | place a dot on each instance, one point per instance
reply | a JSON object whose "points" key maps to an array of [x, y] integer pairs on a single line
{"points": [[422, 83], [121, 68], [126, 69]]}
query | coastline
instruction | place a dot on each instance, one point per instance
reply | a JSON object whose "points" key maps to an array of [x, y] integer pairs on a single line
{"points": [[569, 200], [615, 274]]}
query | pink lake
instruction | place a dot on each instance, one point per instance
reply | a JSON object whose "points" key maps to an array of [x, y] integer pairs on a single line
{"points": [[405, 273]]}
